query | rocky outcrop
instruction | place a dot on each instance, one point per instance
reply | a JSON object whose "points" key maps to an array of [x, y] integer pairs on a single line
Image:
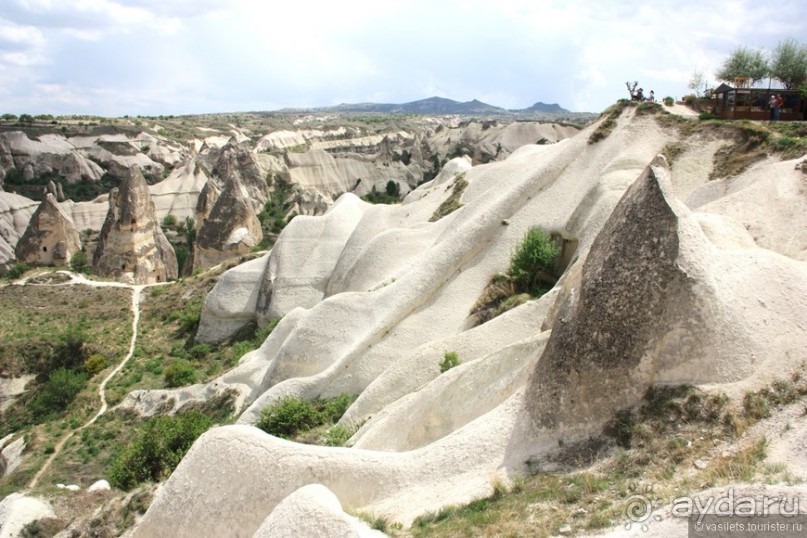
{"points": [[18, 510], [318, 241], [178, 194], [118, 154], [228, 205], [318, 170], [661, 300], [232, 303], [231, 229], [49, 153], [132, 247], [51, 238], [206, 201], [15, 213], [6, 255], [10, 454], [313, 510], [237, 162]]}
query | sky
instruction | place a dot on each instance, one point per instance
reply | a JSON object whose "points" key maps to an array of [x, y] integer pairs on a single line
{"points": [[153, 57]]}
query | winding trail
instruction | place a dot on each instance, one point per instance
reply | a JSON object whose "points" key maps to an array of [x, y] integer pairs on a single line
{"points": [[136, 293]]}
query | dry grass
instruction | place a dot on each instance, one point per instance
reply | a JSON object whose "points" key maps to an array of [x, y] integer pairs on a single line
{"points": [[673, 429], [452, 203], [31, 314], [747, 142], [609, 123]]}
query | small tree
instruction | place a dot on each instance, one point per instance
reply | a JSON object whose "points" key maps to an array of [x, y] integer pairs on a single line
{"points": [[393, 189], [80, 262], [190, 232], [744, 63], [789, 63], [697, 82]]}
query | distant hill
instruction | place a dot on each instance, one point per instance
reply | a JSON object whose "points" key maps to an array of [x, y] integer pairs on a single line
{"points": [[543, 108], [440, 105]]}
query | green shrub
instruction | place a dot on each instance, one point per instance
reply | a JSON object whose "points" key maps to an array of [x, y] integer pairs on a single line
{"points": [[756, 406], [59, 391], [392, 194], [669, 101], [199, 351], [189, 317], [533, 261], [450, 360], [41, 528], [69, 350], [157, 449], [393, 189], [66, 350], [336, 436], [80, 262], [169, 220], [707, 116], [94, 364], [622, 427], [17, 270], [333, 408], [289, 416], [179, 373], [182, 253]]}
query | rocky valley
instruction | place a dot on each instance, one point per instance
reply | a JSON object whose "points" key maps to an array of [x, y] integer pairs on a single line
{"points": [[365, 324]]}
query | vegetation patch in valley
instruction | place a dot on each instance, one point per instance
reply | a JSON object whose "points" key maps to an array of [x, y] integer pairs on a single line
{"points": [[80, 191], [275, 214], [304, 421], [530, 275], [167, 355], [391, 194], [66, 353]]}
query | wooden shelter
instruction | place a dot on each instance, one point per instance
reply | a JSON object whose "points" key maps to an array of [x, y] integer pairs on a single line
{"points": [[736, 103]]}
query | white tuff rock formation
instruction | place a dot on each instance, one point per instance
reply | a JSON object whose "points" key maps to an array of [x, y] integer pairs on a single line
{"points": [[15, 213], [656, 292], [132, 247], [49, 153], [51, 238], [17, 510], [230, 229]]}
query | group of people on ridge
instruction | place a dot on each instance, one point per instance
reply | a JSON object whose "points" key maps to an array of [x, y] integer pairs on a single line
{"points": [[639, 96]]}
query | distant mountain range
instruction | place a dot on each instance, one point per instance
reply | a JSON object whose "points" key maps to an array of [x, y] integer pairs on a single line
{"points": [[441, 105]]}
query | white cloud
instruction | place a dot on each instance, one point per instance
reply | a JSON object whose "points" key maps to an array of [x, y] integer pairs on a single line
{"points": [[14, 35]]}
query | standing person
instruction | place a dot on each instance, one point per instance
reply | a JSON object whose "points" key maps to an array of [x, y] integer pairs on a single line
{"points": [[772, 106], [777, 107]]}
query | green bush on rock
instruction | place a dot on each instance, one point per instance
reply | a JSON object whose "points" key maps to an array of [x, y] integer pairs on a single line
{"points": [[157, 449]]}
